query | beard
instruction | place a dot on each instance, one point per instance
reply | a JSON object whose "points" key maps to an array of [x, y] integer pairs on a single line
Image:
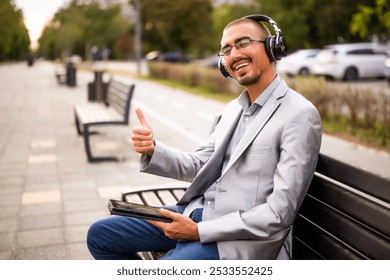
{"points": [[248, 80]]}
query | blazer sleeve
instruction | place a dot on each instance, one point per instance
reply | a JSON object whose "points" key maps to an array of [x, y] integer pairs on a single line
{"points": [[173, 163]]}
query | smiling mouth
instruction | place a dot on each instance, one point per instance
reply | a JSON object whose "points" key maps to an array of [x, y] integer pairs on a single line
{"points": [[240, 65]]}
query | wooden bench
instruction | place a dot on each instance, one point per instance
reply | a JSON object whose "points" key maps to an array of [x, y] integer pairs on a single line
{"points": [[114, 111], [345, 214]]}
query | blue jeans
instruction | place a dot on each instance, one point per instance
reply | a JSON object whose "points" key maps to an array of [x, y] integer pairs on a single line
{"points": [[120, 238]]}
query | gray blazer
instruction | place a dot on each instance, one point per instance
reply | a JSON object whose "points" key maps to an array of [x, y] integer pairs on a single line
{"points": [[265, 181]]}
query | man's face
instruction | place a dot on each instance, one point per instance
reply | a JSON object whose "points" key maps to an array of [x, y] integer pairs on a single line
{"points": [[247, 64]]}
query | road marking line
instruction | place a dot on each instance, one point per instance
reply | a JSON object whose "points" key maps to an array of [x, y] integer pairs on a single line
{"points": [[171, 124]]}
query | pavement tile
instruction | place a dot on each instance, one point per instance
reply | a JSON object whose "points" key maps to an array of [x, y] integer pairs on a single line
{"points": [[36, 187], [84, 218], [74, 176], [9, 210], [10, 199], [79, 194], [9, 224], [39, 179], [12, 170], [78, 251], [7, 179], [55, 252], [7, 240], [40, 237], [75, 234], [6, 255], [40, 221], [39, 209], [41, 197], [83, 205], [10, 189]]}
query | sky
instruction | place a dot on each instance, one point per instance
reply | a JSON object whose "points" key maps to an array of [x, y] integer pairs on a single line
{"points": [[36, 14]]}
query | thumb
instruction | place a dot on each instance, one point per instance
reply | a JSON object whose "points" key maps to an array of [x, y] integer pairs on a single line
{"points": [[141, 117]]}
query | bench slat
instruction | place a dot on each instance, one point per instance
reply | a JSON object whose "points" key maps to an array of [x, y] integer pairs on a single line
{"points": [[96, 113], [371, 243], [359, 206], [312, 242], [360, 179]]}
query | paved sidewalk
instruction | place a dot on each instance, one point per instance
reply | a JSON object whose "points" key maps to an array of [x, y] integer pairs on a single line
{"points": [[49, 193]]}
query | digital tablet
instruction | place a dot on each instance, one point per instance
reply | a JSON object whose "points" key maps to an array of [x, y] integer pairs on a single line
{"points": [[122, 208]]}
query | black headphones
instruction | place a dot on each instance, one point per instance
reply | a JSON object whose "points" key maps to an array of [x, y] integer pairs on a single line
{"points": [[274, 45]]}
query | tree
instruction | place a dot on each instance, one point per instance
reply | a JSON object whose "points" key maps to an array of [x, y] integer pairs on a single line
{"points": [[374, 18], [222, 15], [313, 23], [103, 32], [176, 25], [14, 38], [78, 27]]}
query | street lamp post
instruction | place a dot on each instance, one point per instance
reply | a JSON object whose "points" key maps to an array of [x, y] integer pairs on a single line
{"points": [[138, 36]]}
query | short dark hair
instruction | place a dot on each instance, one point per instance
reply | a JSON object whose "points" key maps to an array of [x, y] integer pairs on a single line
{"points": [[263, 30]]}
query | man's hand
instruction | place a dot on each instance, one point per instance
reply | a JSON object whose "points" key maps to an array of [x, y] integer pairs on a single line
{"points": [[181, 228], [142, 135]]}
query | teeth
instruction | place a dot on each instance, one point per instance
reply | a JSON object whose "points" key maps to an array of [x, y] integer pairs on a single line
{"points": [[241, 65]]}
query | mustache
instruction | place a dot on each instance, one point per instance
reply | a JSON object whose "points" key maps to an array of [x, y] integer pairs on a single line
{"points": [[238, 60]]}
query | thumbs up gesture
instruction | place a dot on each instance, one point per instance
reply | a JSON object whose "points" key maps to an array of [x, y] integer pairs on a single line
{"points": [[142, 135]]}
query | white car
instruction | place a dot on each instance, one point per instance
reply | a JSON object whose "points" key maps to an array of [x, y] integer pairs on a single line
{"points": [[351, 61], [297, 63], [387, 69]]}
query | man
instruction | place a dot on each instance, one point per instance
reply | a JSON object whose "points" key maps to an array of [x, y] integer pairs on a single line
{"points": [[248, 179]]}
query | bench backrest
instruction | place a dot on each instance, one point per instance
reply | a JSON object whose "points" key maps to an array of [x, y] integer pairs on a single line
{"points": [[345, 214], [119, 97]]}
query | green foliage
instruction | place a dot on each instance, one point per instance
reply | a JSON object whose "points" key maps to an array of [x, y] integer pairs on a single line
{"points": [[374, 17], [78, 27], [226, 13], [208, 80], [348, 110], [191, 26], [176, 25], [313, 23], [14, 38]]}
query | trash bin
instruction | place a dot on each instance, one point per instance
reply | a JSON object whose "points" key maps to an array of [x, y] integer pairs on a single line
{"points": [[97, 90], [30, 61], [99, 85], [70, 74]]}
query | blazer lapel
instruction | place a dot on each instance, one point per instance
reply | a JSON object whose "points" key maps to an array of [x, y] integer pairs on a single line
{"points": [[262, 118], [211, 171]]}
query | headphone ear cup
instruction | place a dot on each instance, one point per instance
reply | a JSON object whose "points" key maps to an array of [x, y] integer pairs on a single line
{"points": [[275, 46], [269, 48], [223, 69], [280, 49]]}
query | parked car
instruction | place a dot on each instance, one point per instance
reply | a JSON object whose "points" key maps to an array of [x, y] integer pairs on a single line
{"points": [[387, 69], [297, 63], [350, 61], [168, 57], [210, 61]]}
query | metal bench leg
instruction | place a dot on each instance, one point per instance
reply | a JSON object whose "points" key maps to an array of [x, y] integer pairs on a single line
{"points": [[87, 146], [76, 120], [86, 143]]}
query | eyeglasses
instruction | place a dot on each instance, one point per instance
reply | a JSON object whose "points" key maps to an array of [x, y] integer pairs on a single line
{"points": [[243, 43]]}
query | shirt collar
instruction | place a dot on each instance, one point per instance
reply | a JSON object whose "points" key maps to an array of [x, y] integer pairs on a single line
{"points": [[244, 100]]}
